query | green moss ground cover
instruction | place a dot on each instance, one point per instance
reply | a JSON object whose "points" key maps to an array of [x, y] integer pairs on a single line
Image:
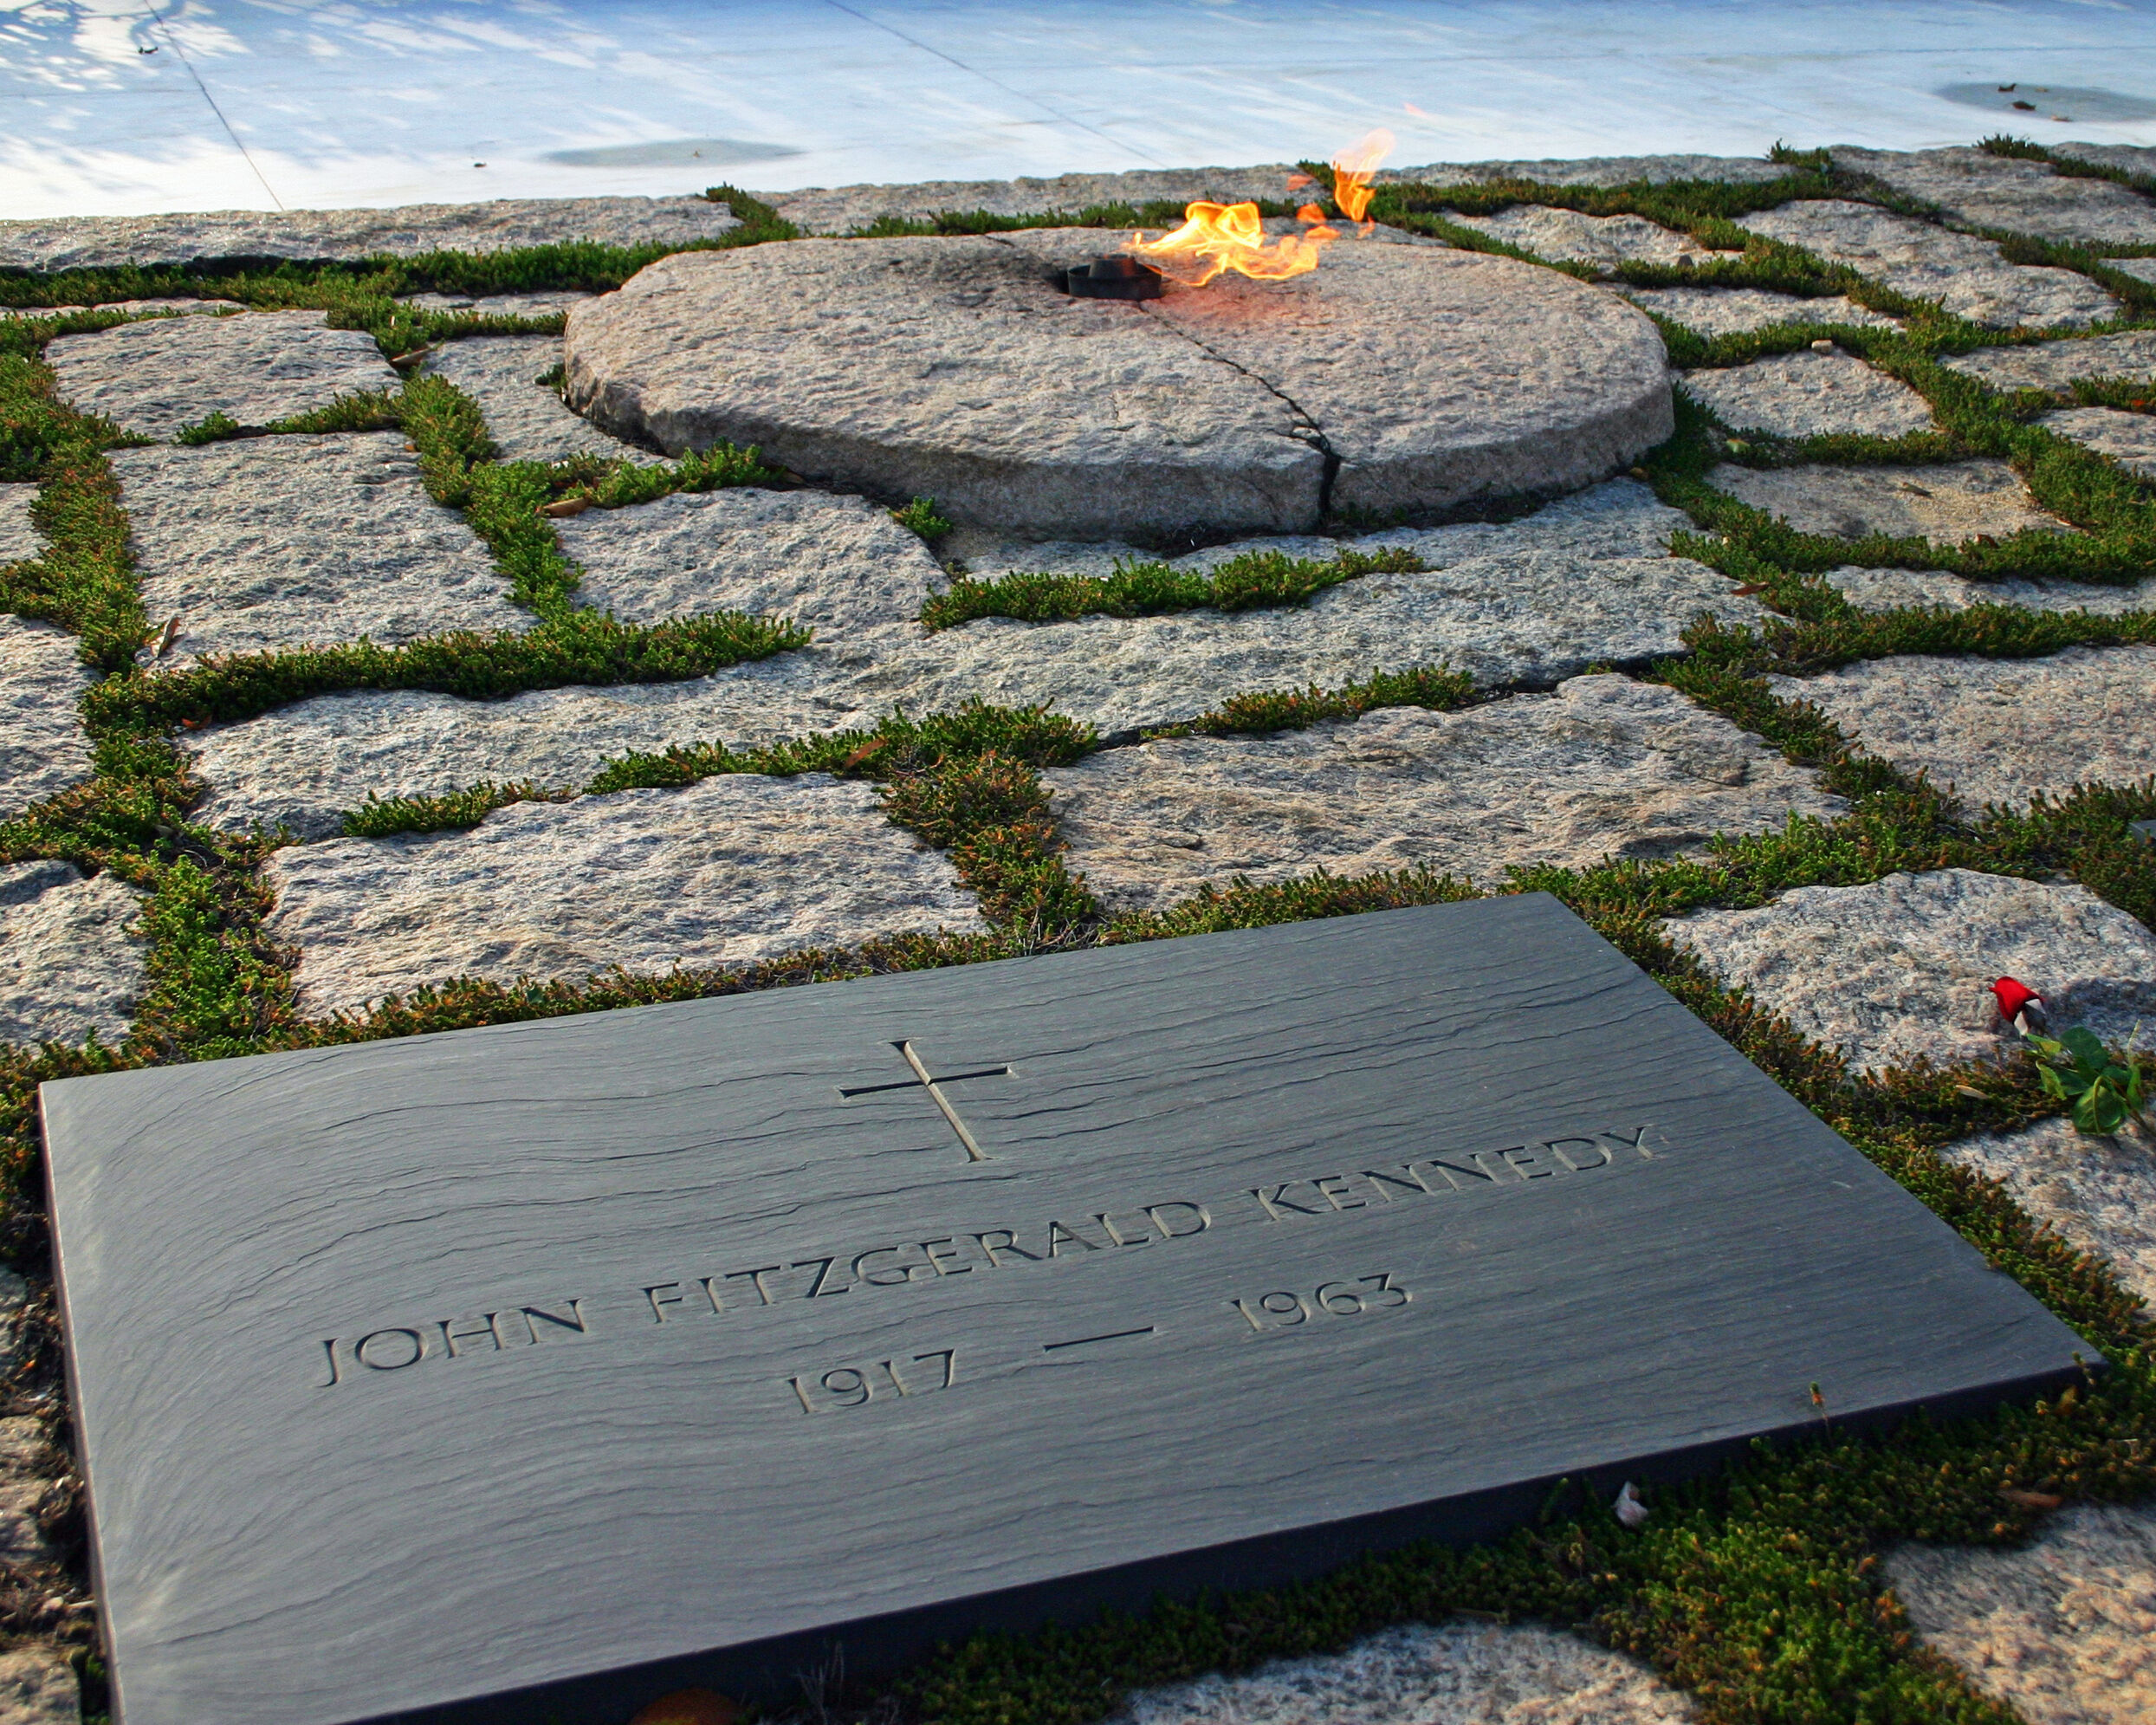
{"points": [[1756, 1587]]}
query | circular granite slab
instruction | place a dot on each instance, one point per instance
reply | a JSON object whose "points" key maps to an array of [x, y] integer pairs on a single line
{"points": [[1395, 377]]}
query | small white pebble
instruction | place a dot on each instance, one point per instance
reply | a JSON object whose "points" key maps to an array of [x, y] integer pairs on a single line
{"points": [[1822, 346]]}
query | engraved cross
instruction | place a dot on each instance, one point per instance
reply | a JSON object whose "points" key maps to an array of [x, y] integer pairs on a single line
{"points": [[921, 1080]]}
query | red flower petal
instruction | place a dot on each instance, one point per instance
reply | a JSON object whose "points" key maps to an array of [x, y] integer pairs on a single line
{"points": [[2013, 996]]}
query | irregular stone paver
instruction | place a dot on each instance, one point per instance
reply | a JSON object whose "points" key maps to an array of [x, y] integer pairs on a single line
{"points": [[2054, 365], [2001, 192], [841, 565], [545, 303], [109, 241], [525, 418], [284, 542], [1902, 968], [1887, 589], [136, 308], [1810, 395], [304, 766], [2141, 268], [42, 748], [1949, 502], [1731, 311], [1602, 767], [1999, 730], [952, 367], [2100, 1193], [2127, 438], [2133, 157], [727, 871], [1459, 1673], [2063, 1631], [1602, 240], [155, 376], [18, 539], [841, 210], [38, 1686], [1967, 275], [68, 963], [1598, 171], [28, 1466]]}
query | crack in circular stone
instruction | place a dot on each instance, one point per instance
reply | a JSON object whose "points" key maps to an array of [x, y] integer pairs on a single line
{"points": [[1394, 378]]}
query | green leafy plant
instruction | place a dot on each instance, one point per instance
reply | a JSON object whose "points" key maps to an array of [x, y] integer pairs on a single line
{"points": [[921, 515], [2105, 1093]]}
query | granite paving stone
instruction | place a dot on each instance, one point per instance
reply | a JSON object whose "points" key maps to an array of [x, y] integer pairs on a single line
{"points": [[2127, 438], [1887, 589], [70, 960], [2099, 1192], [525, 418], [42, 748], [2054, 365], [1948, 502], [18, 539], [548, 302], [1456, 1673], [841, 565], [1999, 730], [1602, 767], [1968, 277], [951, 367], [727, 871], [1807, 394], [271, 543], [1733, 311], [843, 209], [2061, 1630], [2141, 268], [154, 377], [38, 1686], [408, 231], [1605, 241], [1984, 191], [135, 307], [1599, 171], [27, 1466], [1901, 968], [2133, 157]]}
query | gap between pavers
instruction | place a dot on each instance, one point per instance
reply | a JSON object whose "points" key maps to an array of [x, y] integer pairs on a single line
{"points": [[43, 748], [256, 367], [270, 542], [1901, 968], [2062, 1629], [1604, 766], [71, 959], [1999, 730], [724, 872]]}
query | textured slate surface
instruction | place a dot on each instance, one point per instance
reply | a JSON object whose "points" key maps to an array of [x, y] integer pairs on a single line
{"points": [[311, 1504]]}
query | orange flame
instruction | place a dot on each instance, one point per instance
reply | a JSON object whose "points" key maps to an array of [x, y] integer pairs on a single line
{"points": [[1353, 170], [1217, 236]]}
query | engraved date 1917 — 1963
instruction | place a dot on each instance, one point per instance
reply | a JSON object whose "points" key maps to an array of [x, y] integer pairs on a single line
{"points": [[856, 1386], [1349, 1298]]}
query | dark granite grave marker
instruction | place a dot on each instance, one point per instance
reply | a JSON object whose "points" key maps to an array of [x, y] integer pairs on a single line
{"points": [[528, 1373]]}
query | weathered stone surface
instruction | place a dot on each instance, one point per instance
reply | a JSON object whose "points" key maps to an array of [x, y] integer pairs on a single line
{"points": [[69, 962], [841, 565], [154, 377], [2141, 268], [38, 1686], [106, 242], [1602, 240], [1950, 502], [18, 539], [138, 307], [1731, 311], [1602, 767], [2064, 1630], [1902, 968], [15, 1300], [841, 210], [284, 542], [1599, 171], [952, 367], [1999, 730], [42, 748], [1886, 589], [525, 416], [27, 1466], [1459, 1673], [2133, 157], [1966, 275], [2127, 438], [2054, 365], [2100, 1193], [1810, 395], [545, 303], [727, 871], [2000, 191]]}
